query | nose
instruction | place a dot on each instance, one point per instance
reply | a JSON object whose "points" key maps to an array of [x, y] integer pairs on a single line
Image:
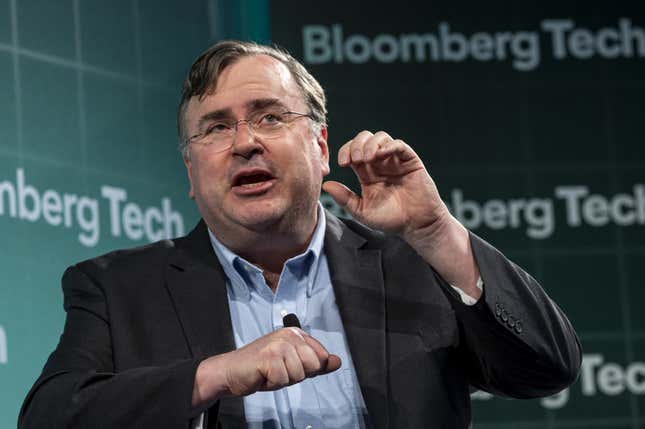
{"points": [[245, 142]]}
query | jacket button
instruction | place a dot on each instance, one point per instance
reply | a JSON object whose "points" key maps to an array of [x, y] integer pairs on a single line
{"points": [[504, 315], [518, 327], [511, 321]]}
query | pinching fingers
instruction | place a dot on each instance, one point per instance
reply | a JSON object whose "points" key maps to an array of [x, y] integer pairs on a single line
{"points": [[357, 146], [365, 147], [374, 144], [352, 152], [395, 147]]}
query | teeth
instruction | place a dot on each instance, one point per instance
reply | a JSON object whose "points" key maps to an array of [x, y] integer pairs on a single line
{"points": [[252, 185], [252, 181]]}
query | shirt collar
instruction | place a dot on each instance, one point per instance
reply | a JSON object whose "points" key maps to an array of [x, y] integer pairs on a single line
{"points": [[238, 270]]}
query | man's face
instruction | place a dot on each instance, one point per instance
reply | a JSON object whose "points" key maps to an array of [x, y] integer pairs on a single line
{"points": [[258, 184]]}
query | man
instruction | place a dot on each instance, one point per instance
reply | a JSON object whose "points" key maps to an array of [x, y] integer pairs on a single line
{"points": [[401, 313]]}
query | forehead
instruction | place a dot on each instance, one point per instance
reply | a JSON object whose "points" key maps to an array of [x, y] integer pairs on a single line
{"points": [[250, 78]]}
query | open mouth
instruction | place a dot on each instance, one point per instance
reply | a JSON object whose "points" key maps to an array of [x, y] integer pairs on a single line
{"points": [[252, 180]]}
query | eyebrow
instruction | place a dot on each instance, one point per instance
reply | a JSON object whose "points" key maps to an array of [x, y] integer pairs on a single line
{"points": [[251, 106], [215, 115], [263, 103]]}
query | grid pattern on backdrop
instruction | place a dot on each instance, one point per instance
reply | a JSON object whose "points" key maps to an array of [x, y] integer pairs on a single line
{"points": [[495, 133], [103, 78], [89, 93], [595, 273], [590, 135]]}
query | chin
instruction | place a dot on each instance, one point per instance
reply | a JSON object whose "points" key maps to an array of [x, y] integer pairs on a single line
{"points": [[259, 218]]}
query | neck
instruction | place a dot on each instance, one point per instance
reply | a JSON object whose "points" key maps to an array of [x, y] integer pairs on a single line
{"points": [[270, 255], [269, 249], [272, 280]]}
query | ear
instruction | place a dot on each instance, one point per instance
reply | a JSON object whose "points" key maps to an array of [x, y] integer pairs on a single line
{"points": [[189, 171], [324, 151]]}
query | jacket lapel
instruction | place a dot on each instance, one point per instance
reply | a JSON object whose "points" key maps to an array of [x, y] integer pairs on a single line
{"points": [[197, 285], [357, 279]]}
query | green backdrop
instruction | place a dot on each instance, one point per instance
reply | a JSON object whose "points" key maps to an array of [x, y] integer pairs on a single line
{"points": [[530, 118], [88, 156]]}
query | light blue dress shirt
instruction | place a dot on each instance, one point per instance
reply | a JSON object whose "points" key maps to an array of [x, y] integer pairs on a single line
{"points": [[329, 401]]}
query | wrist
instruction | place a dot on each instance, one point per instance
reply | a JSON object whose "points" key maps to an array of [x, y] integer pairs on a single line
{"points": [[445, 245], [210, 382], [429, 237]]}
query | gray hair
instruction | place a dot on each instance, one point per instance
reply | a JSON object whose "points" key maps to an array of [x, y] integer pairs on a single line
{"points": [[203, 75]]}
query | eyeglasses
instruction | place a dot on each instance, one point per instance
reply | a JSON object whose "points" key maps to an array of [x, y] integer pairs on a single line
{"points": [[219, 134]]}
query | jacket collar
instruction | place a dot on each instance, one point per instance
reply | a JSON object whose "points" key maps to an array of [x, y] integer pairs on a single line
{"points": [[197, 285]]}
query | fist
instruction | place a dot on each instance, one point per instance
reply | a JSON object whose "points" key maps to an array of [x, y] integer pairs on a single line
{"points": [[276, 360]]}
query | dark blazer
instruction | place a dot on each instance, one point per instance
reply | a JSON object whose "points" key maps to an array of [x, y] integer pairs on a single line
{"points": [[140, 321]]}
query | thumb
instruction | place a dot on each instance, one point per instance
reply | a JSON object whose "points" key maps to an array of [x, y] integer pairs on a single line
{"points": [[333, 363], [343, 196]]}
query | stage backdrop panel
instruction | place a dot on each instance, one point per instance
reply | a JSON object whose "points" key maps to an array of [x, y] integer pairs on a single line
{"points": [[530, 117], [88, 152]]}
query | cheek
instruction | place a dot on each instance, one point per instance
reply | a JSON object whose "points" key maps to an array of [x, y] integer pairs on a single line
{"points": [[206, 180], [309, 173], [314, 163]]}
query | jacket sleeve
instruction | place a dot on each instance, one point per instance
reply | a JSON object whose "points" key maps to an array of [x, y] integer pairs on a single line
{"points": [[517, 342], [79, 387]]}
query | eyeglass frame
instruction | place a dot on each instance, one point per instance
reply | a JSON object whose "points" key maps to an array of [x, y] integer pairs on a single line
{"points": [[252, 128]]}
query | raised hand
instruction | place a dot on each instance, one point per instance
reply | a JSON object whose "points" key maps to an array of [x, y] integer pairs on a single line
{"points": [[397, 193], [399, 196], [276, 360]]}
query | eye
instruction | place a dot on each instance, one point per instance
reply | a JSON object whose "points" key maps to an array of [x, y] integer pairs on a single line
{"points": [[217, 128], [270, 119]]}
